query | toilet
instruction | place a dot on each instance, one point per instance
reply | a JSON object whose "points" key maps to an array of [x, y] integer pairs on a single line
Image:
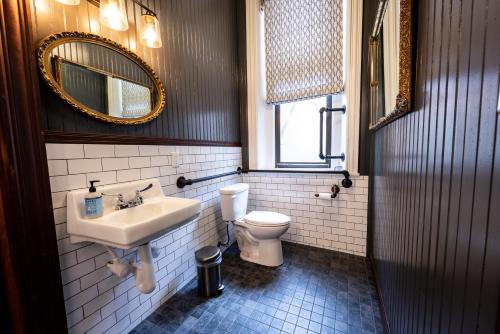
{"points": [[258, 232]]}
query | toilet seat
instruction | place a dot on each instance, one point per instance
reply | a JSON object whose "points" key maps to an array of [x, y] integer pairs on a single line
{"points": [[266, 218]]}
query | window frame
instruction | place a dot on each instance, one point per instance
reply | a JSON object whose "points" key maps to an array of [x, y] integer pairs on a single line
{"points": [[277, 140]]}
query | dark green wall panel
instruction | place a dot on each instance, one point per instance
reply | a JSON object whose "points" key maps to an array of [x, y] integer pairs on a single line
{"points": [[198, 65], [435, 218]]}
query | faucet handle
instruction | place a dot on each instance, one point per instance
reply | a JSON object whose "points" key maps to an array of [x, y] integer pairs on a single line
{"points": [[120, 203], [149, 186], [138, 197]]}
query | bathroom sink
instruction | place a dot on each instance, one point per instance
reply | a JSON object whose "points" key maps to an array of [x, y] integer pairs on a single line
{"points": [[129, 227]]}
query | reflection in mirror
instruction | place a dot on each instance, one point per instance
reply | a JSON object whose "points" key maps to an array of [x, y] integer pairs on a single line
{"points": [[101, 78], [390, 49], [102, 91]]}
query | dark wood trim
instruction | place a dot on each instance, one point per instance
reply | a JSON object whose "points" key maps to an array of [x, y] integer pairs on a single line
{"points": [[379, 294], [242, 81], [28, 249], [497, 330], [99, 138], [365, 135]]}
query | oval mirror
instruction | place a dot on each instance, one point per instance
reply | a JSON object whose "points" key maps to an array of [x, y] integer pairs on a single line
{"points": [[100, 78]]}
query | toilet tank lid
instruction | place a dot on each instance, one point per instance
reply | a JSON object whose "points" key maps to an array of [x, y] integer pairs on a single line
{"points": [[234, 189]]}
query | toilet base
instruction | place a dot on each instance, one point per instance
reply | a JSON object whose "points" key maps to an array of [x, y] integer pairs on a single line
{"points": [[275, 263], [264, 252]]}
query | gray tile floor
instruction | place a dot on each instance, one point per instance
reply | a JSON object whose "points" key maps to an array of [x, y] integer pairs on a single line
{"points": [[314, 291]]}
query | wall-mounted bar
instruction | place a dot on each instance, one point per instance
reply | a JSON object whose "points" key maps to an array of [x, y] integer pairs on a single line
{"points": [[182, 181], [327, 156], [346, 182]]}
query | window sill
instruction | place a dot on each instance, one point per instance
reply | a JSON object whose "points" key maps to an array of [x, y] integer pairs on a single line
{"points": [[299, 170]]}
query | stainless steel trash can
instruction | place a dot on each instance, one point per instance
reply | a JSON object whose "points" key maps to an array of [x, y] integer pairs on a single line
{"points": [[208, 261]]}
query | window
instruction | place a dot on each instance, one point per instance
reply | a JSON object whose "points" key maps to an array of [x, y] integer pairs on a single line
{"points": [[265, 138], [297, 133]]}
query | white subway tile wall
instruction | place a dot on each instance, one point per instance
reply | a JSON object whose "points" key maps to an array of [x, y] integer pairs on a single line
{"points": [[96, 301], [339, 224]]}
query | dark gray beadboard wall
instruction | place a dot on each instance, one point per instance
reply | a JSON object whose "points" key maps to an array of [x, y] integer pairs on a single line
{"points": [[435, 222], [198, 65]]}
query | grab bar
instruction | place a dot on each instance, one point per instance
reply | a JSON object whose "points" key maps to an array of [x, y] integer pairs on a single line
{"points": [[327, 156], [182, 181], [346, 182]]}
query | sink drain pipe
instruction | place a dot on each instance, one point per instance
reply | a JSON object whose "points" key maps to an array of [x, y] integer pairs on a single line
{"points": [[143, 272]]}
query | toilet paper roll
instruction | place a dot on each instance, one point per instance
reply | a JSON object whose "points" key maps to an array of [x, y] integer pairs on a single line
{"points": [[324, 195]]}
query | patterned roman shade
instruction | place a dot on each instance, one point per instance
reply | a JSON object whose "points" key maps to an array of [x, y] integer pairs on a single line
{"points": [[304, 52]]}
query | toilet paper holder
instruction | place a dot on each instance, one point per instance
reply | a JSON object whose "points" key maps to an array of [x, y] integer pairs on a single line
{"points": [[335, 190]]}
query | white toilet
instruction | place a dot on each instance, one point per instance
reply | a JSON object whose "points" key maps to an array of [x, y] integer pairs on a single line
{"points": [[257, 233]]}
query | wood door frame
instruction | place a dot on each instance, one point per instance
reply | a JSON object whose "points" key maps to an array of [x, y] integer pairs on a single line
{"points": [[28, 250]]}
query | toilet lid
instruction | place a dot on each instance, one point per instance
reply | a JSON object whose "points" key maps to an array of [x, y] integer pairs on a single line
{"points": [[266, 218]]}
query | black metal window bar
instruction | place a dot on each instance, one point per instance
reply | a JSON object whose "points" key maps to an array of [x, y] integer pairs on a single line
{"points": [[322, 156]]}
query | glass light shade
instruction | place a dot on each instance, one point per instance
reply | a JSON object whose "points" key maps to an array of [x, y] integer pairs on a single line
{"points": [[113, 14], [149, 33], [69, 2]]}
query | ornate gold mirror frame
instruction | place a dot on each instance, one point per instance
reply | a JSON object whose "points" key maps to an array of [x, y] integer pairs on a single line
{"points": [[44, 64], [403, 101]]}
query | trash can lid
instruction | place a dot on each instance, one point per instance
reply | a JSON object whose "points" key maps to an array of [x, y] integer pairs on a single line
{"points": [[207, 253]]}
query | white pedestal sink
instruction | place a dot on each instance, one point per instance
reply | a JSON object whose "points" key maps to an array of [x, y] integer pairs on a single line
{"points": [[130, 227]]}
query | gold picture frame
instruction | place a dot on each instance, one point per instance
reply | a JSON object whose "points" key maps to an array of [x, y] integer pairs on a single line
{"points": [[44, 64], [403, 103]]}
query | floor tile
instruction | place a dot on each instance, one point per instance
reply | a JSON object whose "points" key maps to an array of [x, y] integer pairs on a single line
{"points": [[314, 291]]}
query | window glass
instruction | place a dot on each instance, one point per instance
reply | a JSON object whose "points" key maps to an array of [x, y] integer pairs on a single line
{"points": [[299, 131]]}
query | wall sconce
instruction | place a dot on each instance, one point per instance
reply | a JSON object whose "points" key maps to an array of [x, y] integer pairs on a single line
{"points": [[149, 33], [113, 14]]}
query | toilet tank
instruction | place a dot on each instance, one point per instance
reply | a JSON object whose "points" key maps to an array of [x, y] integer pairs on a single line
{"points": [[233, 201]]}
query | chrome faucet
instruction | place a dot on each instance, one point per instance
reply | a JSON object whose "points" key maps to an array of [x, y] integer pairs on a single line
{"points": [[120, 203], [137, 200]]}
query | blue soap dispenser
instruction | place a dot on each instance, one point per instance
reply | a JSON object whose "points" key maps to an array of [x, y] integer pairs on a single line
{"points": [[93, 202]]}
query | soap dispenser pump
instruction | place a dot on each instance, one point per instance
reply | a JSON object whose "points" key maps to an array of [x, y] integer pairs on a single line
{"points": [[93, 202]]}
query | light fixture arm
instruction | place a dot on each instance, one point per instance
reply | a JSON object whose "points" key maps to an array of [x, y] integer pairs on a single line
{"points": [[137, 2], [148, 11]]}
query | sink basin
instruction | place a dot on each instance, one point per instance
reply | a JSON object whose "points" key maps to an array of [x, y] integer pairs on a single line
{"points": [[129, 227]]}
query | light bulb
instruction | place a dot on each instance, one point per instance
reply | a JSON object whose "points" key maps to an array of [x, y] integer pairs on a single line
{"points": [[69, 2], [41, 6], [149, 33], [113, 14]]}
